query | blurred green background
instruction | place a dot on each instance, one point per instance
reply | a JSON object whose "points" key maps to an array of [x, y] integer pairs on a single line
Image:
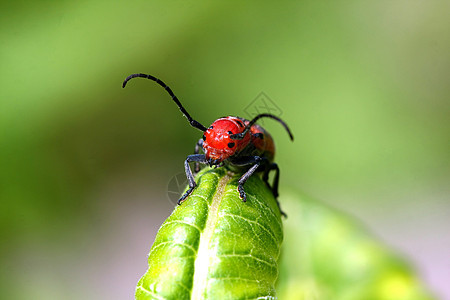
{"points": [[84, 164]]}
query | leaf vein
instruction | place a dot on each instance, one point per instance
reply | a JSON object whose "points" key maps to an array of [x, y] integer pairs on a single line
{"points": [[175, 243], [150, 293], [181, 222], [256, 223], [273, 265]]}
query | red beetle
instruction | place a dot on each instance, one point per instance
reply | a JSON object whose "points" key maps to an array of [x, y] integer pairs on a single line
{"points": [[230, 141]]}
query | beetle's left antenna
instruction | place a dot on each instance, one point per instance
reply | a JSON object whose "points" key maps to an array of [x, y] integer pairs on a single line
{"points": [[193, 122]]}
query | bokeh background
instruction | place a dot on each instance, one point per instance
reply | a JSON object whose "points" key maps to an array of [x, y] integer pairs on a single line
{"points": [[85, 164]]}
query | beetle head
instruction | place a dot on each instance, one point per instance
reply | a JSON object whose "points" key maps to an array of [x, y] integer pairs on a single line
{"points": [[217, 143]]}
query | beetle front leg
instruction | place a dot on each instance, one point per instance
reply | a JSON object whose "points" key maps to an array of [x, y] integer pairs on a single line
{"points": [[256, 161], [198, 158], [198, 146]]}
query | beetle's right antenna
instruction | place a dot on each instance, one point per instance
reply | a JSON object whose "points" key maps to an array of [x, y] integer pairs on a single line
{"points": [[240, 136], [193, 122]]}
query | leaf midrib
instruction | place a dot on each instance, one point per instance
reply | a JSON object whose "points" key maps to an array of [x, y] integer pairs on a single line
{"points": [[202, 262]]}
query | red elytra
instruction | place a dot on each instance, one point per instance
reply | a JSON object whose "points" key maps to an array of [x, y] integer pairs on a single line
{"points": [[230, 141]]}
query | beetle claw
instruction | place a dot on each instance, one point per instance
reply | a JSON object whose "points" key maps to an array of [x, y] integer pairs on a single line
{"points": [[242, 194]]}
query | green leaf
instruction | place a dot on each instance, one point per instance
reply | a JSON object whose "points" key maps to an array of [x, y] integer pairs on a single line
{"points": [[328, 255], [214, 246]]}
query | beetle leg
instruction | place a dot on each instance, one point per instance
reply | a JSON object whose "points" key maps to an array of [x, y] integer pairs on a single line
{"points": [[256, 161], [276, 180], [198, 158], [198, 146]]}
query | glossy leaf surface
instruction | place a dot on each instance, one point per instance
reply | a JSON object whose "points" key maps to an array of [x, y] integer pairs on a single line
{"points": [[214, 246]]}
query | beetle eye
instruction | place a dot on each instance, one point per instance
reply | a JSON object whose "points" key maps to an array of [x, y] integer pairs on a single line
{"points": [[231, 145], [204, 137]]}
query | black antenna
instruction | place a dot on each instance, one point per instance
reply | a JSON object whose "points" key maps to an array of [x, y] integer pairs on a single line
{"points": [[193, 122], [240, 136]]}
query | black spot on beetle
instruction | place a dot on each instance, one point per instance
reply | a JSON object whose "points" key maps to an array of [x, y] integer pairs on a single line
{"points": [[231, 145], [229, 132], [211, 127], [204, 137]]}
